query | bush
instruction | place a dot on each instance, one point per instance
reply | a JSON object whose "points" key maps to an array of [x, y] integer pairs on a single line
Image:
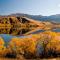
{"points": [[24, 46]]}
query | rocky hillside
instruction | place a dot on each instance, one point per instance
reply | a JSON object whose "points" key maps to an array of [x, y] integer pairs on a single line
{"points": [[13, 21], [24, 22]]}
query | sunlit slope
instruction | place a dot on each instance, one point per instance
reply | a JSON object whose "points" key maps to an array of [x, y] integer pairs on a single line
{"points": [[24, 22], [12, 21]]}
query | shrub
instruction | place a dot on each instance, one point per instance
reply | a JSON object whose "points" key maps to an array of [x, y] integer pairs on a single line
{"points": [[23, 46]]}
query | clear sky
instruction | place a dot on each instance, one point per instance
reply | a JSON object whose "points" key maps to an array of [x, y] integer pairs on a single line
{"points": [[33, 7]]}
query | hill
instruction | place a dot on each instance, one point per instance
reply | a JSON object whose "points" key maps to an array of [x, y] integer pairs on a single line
{"points": [[52, 18], [19, 20]]}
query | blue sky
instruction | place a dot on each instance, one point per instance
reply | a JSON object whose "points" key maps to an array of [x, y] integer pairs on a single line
{"points": [[33, 7]]}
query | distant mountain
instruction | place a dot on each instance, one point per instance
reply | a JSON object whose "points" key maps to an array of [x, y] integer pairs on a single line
{"points": [[53, 18]]}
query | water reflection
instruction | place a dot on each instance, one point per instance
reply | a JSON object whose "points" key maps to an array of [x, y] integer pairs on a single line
{"points": [[56, 30], [21, 31], [14, 31]]}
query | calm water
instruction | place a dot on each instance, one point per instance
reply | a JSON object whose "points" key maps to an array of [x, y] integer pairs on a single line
{"points": [[56, 30], [8, 34], [8, 37], [14, 31]]}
